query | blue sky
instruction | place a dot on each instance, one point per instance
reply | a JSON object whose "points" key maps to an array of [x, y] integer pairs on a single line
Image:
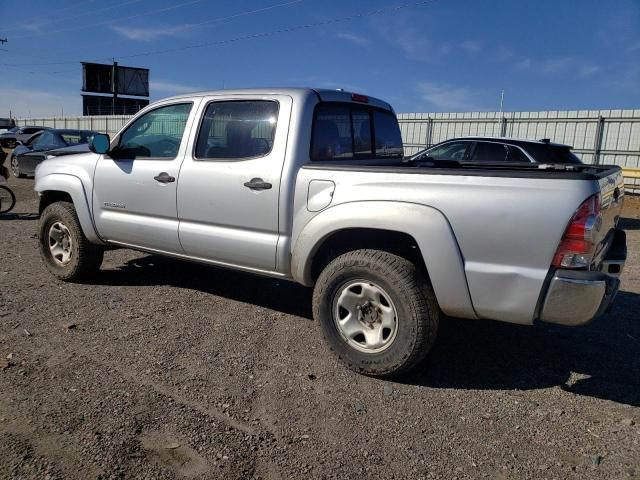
{"points": [[439, 55]]}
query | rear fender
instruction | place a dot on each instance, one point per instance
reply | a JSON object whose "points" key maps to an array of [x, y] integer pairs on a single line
{"points": [[428, 227]]}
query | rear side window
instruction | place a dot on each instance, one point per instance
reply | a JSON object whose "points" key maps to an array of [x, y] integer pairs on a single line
{"points": [[517, 155], [346, 131], [388, 138], [551, 153], [237, 129], [489, 152]]}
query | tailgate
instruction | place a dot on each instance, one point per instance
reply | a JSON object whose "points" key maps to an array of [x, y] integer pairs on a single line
{"points": [[611, 201]]}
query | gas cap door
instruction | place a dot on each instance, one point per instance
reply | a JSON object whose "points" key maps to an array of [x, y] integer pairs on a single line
{"points": [[320, 194]]}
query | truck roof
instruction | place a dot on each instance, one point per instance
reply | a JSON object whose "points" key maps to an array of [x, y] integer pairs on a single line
{"points": [[324, 94]]}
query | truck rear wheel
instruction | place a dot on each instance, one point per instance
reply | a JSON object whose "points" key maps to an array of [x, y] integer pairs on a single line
{"points": [[377, 312], [65, 250]]}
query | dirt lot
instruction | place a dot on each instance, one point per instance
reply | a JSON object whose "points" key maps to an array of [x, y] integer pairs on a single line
{"points": [[161, 369]]}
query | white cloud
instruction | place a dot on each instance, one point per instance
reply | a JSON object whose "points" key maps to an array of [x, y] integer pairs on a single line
{"points": [[353, 38], [38, 103], [444, 97], [151, 33], [402, 31], [555, 66], [171, 88], [471, 46], [587, 70]]}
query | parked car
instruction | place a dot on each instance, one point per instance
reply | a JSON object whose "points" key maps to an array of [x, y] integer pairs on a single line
{"points": [[49, 142], [12, 137], [310, 186], [7, 123], [498, 149]]}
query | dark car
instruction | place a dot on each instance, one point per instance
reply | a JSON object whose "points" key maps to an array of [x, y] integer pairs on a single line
{"points": [[26, 157], [498, 149], [16, 135]]}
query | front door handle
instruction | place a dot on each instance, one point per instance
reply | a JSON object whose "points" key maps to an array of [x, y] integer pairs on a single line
{"points": [[258, 184], [164, 177]]}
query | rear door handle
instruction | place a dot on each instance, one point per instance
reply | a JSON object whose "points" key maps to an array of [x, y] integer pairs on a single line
{"points": [[164, 177], [258, 184]]}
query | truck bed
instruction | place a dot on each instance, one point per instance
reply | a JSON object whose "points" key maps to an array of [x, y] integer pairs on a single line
{"points": [[503, 169], [507, 219]]}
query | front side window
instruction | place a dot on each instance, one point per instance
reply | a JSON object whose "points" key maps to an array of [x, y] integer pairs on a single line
{"points": [[156, 134], [450, 151], [237, 129], [344, 131], [75, 137]]}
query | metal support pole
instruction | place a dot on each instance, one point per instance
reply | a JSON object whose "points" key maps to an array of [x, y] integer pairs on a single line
{"points": [[503, 127], [597, 146], [429, 131], [114, 81]]}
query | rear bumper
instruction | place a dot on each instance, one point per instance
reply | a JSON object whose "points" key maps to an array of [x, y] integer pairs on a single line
{"points": [[577, 297]]}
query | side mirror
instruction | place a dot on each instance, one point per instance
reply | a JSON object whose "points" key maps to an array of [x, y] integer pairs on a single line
{"points": [[100, 143]]}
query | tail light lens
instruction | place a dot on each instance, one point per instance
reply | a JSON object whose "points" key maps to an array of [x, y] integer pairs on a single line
{"points": [[578, 243]]}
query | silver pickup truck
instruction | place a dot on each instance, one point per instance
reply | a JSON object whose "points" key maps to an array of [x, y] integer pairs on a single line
{"points": [[311, 186]]}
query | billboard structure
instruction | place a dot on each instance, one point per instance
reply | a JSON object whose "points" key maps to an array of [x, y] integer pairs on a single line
{"points": [[114, 80], [103, 105]]}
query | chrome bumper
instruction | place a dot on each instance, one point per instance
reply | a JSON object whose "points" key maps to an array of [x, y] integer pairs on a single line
{"points": [[577, 297]]}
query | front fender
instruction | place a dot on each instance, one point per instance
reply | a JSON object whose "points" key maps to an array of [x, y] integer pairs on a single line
{"points": [[72, 185], [428, 227]]}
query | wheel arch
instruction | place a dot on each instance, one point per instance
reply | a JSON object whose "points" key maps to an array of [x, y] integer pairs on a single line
{"points": [[417, 232], [68, 188]]}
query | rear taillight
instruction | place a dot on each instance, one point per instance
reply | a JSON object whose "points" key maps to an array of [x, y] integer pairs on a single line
{"points": [[578, 243]]}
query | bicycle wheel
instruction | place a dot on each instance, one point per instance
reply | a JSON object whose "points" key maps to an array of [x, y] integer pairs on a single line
{"points": [[7, 199]]}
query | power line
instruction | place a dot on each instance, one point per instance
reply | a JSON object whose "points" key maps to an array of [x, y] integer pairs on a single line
{"points": [[215, 20], [242, 14], [106, 22], [294, 28], [271, 33], [74, 17]]}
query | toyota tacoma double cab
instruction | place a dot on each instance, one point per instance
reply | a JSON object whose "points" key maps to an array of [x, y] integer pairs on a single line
{"points": [[311, 186]]}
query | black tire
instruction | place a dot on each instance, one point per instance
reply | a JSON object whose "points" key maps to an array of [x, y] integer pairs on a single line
{"points": [[15, 168], [417, 310], [7, 199], [85, 258]]}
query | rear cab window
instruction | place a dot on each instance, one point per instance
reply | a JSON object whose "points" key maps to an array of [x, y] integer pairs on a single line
{"points": [[343, 131]]}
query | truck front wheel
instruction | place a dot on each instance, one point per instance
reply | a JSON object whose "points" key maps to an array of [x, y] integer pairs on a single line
{"points": [[65, 250], [377, 312]]}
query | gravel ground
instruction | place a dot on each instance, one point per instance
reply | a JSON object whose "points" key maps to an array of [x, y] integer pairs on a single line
{"points": [[160, 369]]}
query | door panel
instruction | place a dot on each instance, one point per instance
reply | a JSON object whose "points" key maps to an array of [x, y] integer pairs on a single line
{"points": [[221, 218], [29, 161], [131, 205]]}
